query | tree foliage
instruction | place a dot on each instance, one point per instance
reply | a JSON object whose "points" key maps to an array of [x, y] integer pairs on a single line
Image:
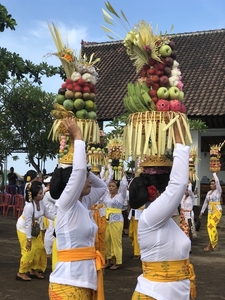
{"points": [[26, 121], [13, 65], [6, 20]]}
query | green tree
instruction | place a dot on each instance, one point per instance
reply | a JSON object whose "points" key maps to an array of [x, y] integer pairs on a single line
{"points": [[6, 20], [25, 116], [13, 65]]}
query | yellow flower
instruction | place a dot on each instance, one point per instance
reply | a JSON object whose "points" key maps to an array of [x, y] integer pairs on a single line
{"points": [[28, 178]]}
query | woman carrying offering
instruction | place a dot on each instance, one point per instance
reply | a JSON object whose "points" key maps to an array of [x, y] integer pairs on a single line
{"points": [[186, 211], [78, 271], [212, 200], [167, 272], [114, 200]]}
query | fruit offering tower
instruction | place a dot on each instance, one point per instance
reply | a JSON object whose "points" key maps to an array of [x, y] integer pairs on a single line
{"points": [[96, 156], [155, 101], [76, 98], [193, 161], [214, 162], [116, 156]]}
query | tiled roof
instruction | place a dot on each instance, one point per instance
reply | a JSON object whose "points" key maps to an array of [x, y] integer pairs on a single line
{"points": [[201, 56]]}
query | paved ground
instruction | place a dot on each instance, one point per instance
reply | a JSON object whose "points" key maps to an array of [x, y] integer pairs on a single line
{"points": [[119, 284]]}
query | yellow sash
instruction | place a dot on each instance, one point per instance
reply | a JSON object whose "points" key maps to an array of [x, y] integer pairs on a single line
{"points": [[167, 271], [85, 254], [213, 206], [110, 210]]}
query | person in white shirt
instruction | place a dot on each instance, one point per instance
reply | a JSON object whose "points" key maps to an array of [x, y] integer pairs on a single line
{"points": [[76, 190], [114, 201], [167, 272], [32, 248], [186, 211], [49, 202], [98, 211], [212, 200]]}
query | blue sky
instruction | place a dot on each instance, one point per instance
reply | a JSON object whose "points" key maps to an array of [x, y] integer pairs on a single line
{"points": [[83, 20]]}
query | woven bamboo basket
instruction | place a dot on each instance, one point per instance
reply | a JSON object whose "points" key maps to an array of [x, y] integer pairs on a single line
{"points": [[215, 155], [150, 135], [89, 129]]}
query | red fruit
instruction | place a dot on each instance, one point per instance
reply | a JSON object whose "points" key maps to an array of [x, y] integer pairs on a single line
{"points": [[145, 67], [155, 99], [160, 66], [86, 89], [69, 86], [162, 105], [159, 73], [149, 82], [143, 73], [167, 71], [69, 80], [152, 62], [64, 85], [172, 45], [174, 54], [155, 78], [94, 91], [175, 105], [168, 61], [155, 86], [77, 88], [163, 81], [151, 71], [183, 108], [153, 93], [80, 81]]}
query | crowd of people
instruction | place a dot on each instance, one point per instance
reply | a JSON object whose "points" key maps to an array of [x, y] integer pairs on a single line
{"points": [[81, 225]]}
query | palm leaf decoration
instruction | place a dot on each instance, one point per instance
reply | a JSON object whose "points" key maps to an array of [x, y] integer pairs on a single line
{"points": [[140, 41], [64, 53]]}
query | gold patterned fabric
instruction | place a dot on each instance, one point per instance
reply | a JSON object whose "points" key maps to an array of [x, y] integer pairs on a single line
{"points": [[36, 258], [214, 216], [100, 234], [184, 223], [139, 296], [68, 292], [169, 271], [113, 238], [133, 234]]}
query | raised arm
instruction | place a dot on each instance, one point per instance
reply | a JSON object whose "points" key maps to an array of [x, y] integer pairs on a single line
{"points": [[162, 209], [205, 204], [190, 192], [110, 175], [123, 187], [98, 189], [75, 184], [217, 182]]}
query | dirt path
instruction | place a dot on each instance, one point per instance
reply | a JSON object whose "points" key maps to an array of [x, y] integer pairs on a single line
{"points": [[119, 284]]}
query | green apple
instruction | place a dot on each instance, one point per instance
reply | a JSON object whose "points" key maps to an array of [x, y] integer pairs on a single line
{"points": [[163, 93], [174, 92], [181, 96], [165, 50]]}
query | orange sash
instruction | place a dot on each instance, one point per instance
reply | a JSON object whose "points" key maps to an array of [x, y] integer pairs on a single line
{"points": [[86, 253]]}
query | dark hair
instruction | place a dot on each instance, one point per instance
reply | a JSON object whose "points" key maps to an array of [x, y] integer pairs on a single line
{"points": [[59, 180], [31, 173], [32, 189], [117, 183], [138, 188], [193, 185]]}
